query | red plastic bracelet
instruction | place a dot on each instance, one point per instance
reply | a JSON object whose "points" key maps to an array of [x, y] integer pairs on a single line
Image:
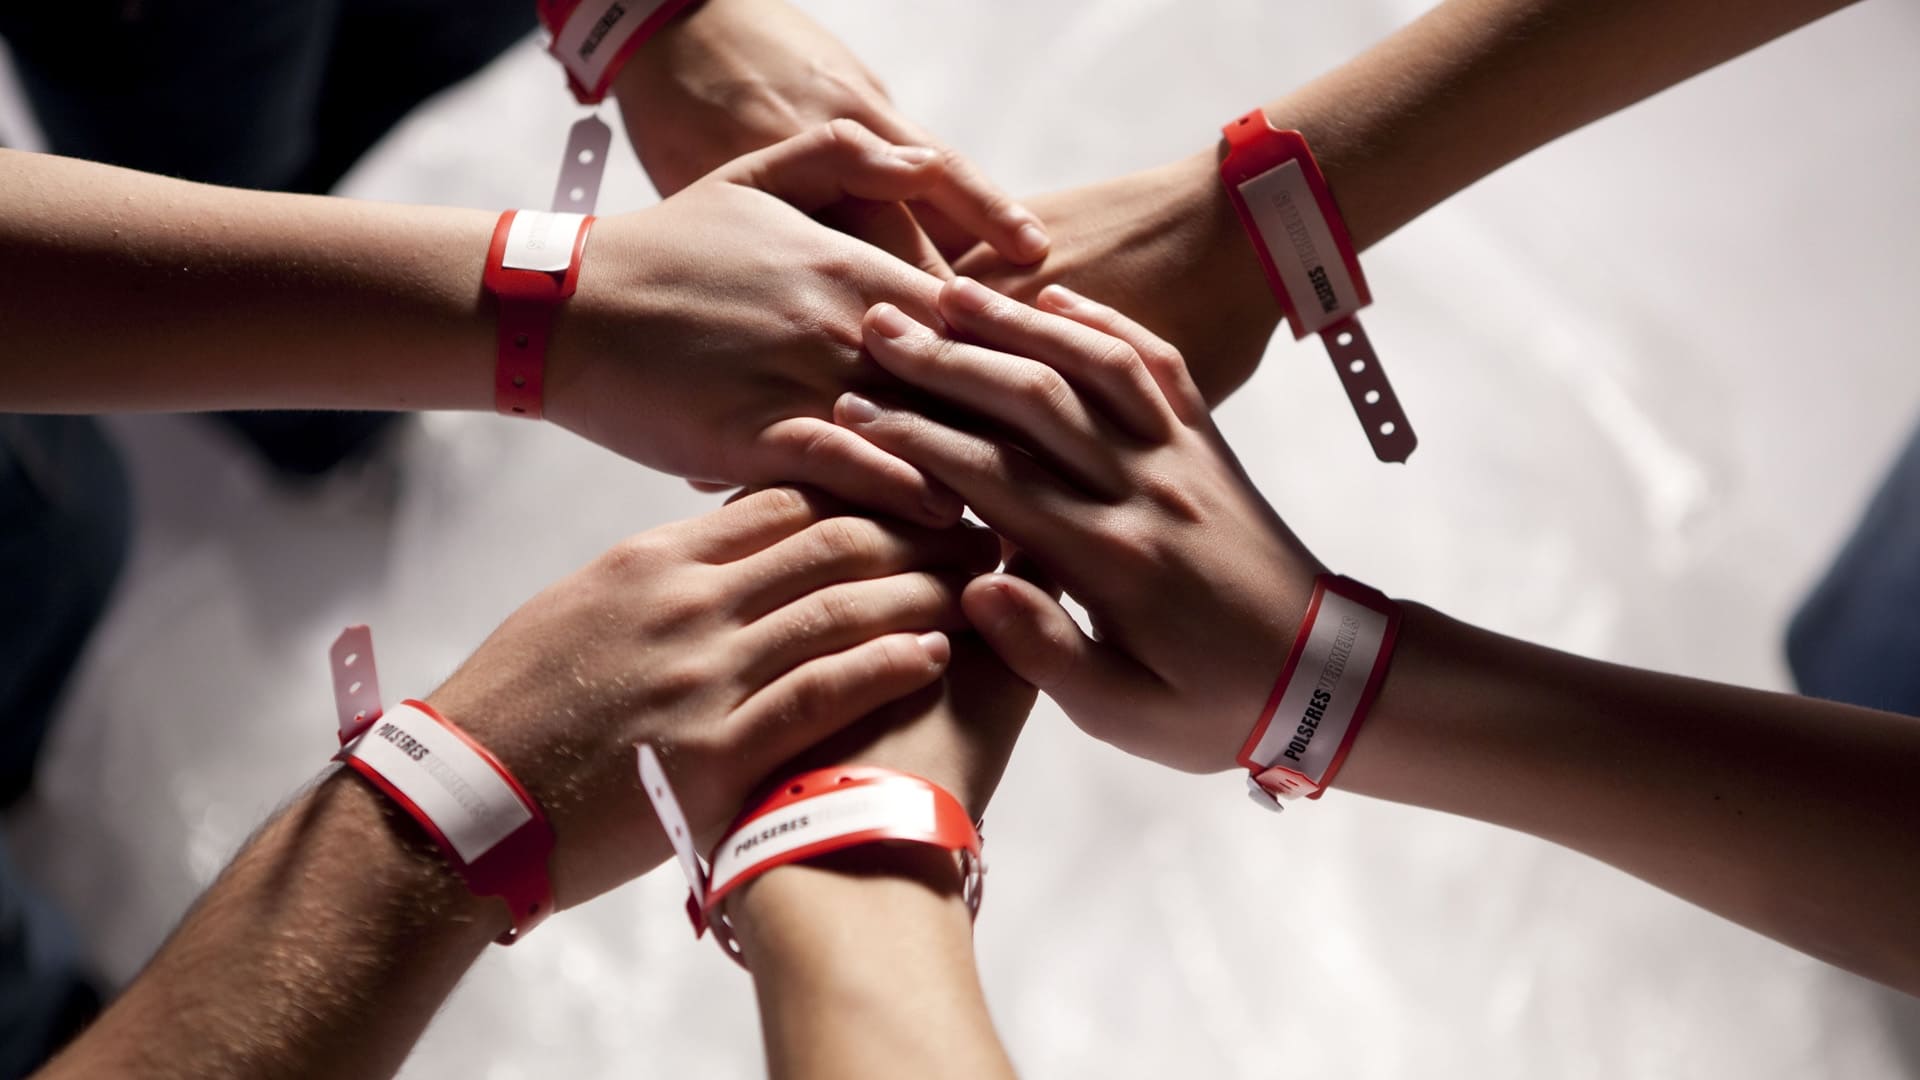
{"points": [[593, 39], [1328, 683], [533, 265], [1283, 200]]}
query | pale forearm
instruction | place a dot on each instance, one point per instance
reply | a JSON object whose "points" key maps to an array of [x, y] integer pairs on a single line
{"points": [[127, 291], [866, 969], [1475, 84], [322, 952], [1792, 816]]}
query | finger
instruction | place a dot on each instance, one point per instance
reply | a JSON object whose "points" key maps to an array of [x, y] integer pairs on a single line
{"points": [[951, 240], [1015, 495], [837, 160], [751, 522], [808, 450], [1162, 361], [841, 616], [969, 201], [822, 696], [710, 487], [1026, 397], [891, 228], [1106, 366], [851, 548], [1101, 689]]}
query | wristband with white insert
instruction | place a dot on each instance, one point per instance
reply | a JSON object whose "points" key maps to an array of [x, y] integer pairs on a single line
{"points": [[533, 266], [489, 828], [1288, 210], [1338, 661], [593, 38], [819, 812]]}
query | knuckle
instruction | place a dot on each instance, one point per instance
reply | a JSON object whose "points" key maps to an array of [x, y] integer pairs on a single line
{"points": [[1116, 356], [1043, 387], [838, 611], [849, 541], [1163, 358], [636, 556]]}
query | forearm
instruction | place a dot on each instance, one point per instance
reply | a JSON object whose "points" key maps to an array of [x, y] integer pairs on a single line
{"points": [[128, 291], [1791, 816], [1475, 84], [322, 952], [864, 968]]}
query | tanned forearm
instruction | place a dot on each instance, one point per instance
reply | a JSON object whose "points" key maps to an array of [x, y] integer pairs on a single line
{"points": [[322, 952], [1792, 816], [127, 291]]}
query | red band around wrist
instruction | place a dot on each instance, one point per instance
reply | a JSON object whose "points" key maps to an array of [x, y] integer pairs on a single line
{"points": [[593, 39], [533, 265], [1334, 670], [1310, 263], [488, 827]]}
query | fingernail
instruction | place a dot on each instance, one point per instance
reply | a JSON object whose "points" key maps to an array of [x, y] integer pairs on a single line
{"points": [[857, 410], [891, 322], [1031, 241], [914, 155], [1059, 296], [970, 295], [936, 645]]}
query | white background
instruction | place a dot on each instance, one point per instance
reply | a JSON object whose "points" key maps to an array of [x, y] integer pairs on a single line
{"points": [[1656, 370]]}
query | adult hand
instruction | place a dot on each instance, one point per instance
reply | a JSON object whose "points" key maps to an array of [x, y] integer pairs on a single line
{"points": [[1164, 246], [730, 642], [1113, 479], [711, 333], [733, 76]]}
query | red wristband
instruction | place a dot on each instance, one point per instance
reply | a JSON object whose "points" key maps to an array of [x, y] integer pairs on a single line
{"points": [[1331, 676], [1283, 201], [488, 827], [810, 815], [533, 265], [593, 39]]}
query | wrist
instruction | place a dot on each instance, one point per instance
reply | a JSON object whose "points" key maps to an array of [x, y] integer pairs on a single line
{"points": [[889, 898], [394, 877]]}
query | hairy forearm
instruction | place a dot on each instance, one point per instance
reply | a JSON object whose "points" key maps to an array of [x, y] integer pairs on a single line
{"points": [[127, 291], [1475, 84], [322, 952], [864, 968], [1791, 816]]}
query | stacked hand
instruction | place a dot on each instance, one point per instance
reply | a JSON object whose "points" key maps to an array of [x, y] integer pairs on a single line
{"points": [[1089, 447], [734, 76], [731, 643]]}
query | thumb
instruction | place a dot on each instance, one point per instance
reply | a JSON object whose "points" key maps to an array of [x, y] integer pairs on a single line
{"points": [[837, 160], [1102, 690]]}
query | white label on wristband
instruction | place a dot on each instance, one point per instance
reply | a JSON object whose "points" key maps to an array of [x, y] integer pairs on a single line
{"points": [[1317, 706], [905, 806], [456, 788], [594, 33], [1301, 246], [538, 240]]}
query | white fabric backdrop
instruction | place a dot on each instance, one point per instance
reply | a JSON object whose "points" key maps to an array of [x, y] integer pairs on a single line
{"points": [[1656, 369]]}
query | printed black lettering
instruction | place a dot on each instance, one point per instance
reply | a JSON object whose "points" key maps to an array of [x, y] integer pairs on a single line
{"points": [[600, 30]]}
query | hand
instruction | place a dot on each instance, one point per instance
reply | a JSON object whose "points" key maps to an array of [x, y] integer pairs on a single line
{"points": [[1117, 486], [730, 642], [711, 333], [733, 76], [1165, 247]]}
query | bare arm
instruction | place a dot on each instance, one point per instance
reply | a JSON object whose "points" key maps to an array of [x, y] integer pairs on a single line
{"points": [[1789, 815], [322, 952], [1444, 101], [864, 968]]}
